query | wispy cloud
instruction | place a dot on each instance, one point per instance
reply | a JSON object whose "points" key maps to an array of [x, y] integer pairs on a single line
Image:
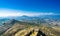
{"points": [[8, 12]]}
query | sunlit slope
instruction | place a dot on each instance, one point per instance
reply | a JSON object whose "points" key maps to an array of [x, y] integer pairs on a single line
{"points": [[30, 29]]}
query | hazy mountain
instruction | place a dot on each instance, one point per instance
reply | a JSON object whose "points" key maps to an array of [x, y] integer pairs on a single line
{"points": [[44, 19]]}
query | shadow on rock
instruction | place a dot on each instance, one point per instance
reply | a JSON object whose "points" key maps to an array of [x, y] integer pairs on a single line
{"points": [[40, 33]]}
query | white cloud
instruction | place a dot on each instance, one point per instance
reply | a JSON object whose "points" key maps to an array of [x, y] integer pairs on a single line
{"points": [[8, 12]]}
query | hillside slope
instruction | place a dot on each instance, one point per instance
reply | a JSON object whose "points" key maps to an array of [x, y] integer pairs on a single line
{"points": [[30, 29]]}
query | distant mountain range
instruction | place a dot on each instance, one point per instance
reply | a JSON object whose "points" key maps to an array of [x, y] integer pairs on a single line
{"points": [[47, 19]]}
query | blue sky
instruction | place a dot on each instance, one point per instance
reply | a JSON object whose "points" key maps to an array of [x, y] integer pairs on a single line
{"points": [[30, 6]]}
